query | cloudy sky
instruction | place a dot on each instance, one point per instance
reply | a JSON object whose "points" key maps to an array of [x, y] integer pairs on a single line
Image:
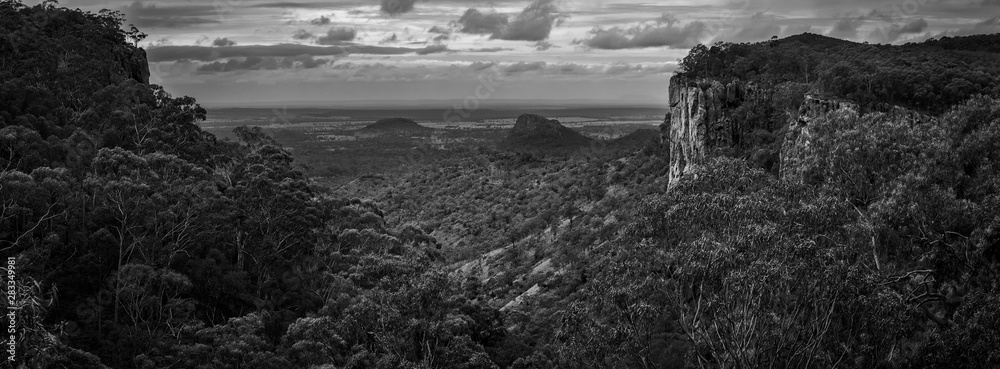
{"points": [[340, 52]]}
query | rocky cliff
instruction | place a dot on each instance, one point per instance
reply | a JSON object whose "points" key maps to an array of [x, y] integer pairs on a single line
{"points": [[701, 120], [138, 66]]}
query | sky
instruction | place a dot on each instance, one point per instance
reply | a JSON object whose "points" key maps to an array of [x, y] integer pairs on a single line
{"points": [[330, 53]]}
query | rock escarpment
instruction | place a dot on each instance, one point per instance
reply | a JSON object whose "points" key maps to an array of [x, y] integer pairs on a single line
{"points": [[138, 66], [703, 120], [700, 121]]}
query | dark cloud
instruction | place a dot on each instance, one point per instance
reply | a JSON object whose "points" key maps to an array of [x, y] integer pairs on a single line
{"points": [[439, 29], [846, 28], [338, 35], [543, 45], [223, 42], [522, 67], [321, 21], [432, 49], [489, 50], [533, 24], [153, 16], [664, 33], [290, 5], [474, 21], [894, 32], [394, 7], [479, 65], [263, 63], [302, 34], [173, 53]]}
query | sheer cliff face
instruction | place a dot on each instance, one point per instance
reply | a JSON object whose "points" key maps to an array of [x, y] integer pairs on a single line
{"points": [[697, 123], [138, 67], [701, 120], [690, 107]]}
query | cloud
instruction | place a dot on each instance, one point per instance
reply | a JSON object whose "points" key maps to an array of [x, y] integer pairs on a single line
{"points": [[321, 21], [152, 16], [895, 31], [989, 26], [543, 45], [223, 42], [394, 7], [337, 35], [292, 5], [533, 24], [758, 28], [474, 21], [302, 34], [263, 63], [522, 67], [796, 29], [846, 28], [439, 29], [659, 35], [173, 53], [489, 50], [200, 41], [432, 49]]}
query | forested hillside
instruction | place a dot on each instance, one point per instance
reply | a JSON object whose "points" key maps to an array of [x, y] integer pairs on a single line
{"points": [[142, 241]]}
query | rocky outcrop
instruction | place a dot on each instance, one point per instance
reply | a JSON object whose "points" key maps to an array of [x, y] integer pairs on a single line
{"points": [[700, 121], [533, 131], [138, 66]]}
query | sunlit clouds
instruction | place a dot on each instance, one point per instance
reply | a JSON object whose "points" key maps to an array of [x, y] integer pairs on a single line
{"points": [[268, 42]]}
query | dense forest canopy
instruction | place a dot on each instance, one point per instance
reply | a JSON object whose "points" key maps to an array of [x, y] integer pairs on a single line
{"points": [[141, 241], [931, 76]]}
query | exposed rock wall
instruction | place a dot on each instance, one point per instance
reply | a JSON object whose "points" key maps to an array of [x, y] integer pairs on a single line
{"points": [[699, 121], [138, 66], [694, 107]]}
